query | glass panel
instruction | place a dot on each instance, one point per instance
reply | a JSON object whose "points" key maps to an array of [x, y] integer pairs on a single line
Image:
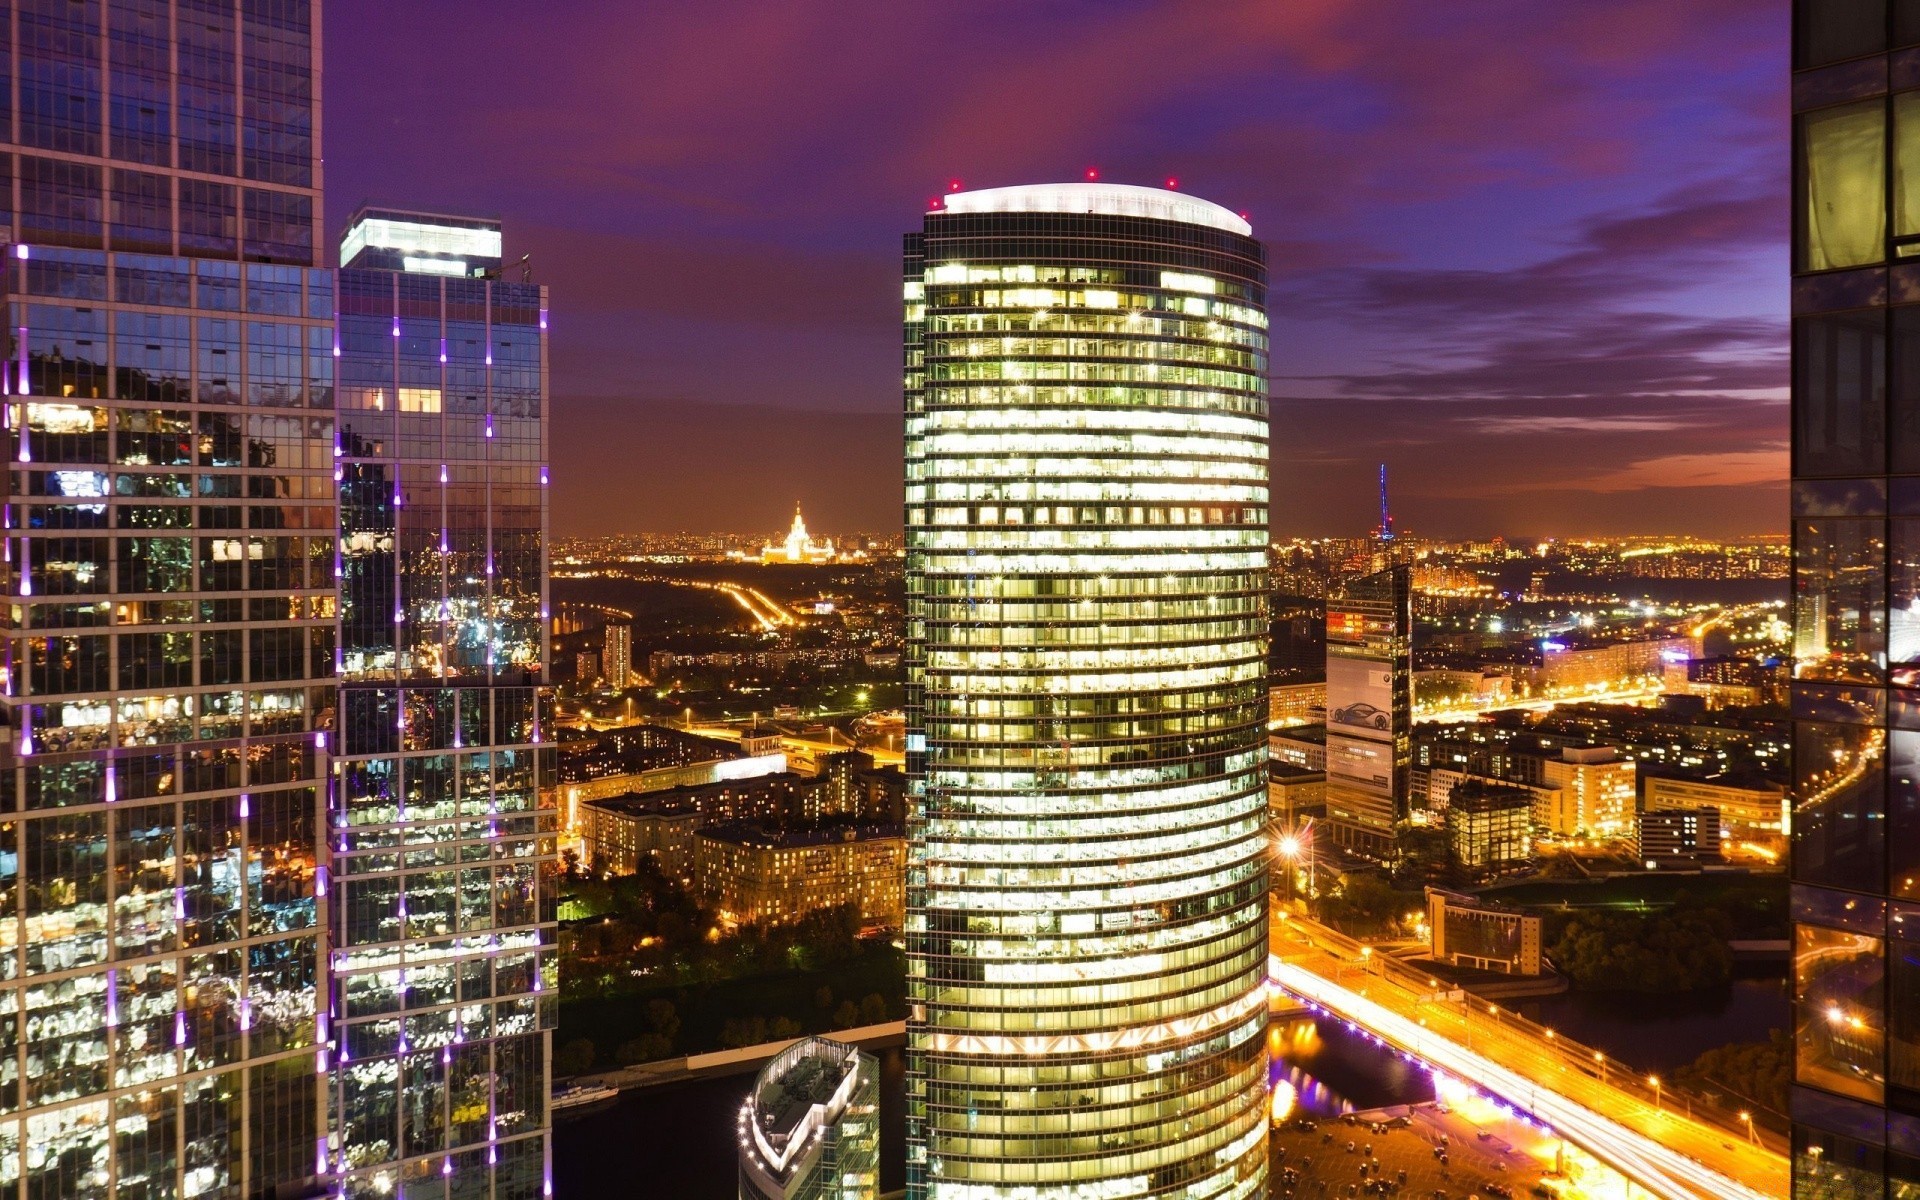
{"points": [[1831, 30], [1839, 1038], [1838, 838], [1827, 1166], [1840, 393], [1839, 619], [1843, 186], [1903, 387]]}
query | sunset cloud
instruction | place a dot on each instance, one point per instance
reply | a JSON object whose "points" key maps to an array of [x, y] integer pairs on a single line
{"points": [[1522, 252]]}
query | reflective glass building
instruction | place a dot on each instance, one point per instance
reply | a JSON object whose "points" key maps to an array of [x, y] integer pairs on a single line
{"points": [[169, 637], [442, 951], [194, 544], [1856, 599], [1370, 708], [1086, 520]]}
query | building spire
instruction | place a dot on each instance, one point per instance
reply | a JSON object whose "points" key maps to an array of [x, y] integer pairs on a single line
{"points": [[1385, 532]]}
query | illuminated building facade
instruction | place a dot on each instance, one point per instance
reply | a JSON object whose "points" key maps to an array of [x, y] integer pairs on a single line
{"points": [[1855, 859], [1370, 708], [810, 1129], [1489, 825], [798, 546], [1469, 932], [422, 243], [753, 874], [443, 933], [1086, 520], [169, 629], [616, 656]]}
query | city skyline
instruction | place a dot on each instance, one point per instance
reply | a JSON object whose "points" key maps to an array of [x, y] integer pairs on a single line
{"points": [[1580, 253]]}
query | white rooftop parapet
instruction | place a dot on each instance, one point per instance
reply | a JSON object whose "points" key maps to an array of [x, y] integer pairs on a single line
{"points": [[1113, 199]]}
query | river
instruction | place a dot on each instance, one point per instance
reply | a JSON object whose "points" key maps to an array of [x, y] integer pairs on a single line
{"points": [[677, 1141]]}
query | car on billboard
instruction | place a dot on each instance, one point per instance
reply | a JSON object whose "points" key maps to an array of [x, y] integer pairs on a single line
{"points": [[1361, 713]]}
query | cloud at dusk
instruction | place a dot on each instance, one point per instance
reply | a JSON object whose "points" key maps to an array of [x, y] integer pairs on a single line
{"points": [[1532, 256]]}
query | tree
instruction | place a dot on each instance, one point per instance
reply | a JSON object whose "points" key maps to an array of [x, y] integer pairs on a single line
{"points": [[873, 1009], [846, 1016], [574, 1058], [1678, 950], [648, 1047], [1753, 1072], [663, 1018], [823, 998], [740, 1032], [782, 1029]]}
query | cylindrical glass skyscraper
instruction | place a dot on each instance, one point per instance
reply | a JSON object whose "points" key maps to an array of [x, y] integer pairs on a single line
{"points": [[1086, 517]]}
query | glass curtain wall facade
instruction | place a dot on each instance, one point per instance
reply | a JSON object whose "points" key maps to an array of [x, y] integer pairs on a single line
{"points": [[1086, 517], [441, 847], [1856, 599], [169, 636], [1370, 709]]}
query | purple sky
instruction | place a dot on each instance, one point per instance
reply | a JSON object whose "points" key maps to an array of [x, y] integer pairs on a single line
{"points": [[1532, 255]]}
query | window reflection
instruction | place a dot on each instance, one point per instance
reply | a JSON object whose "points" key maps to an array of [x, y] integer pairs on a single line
{"points": [[1839, 807], [1840, 394], [1840, 599], [1839, 1018]]}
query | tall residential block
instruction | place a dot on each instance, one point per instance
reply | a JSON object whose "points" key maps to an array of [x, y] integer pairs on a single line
{"points": [[1086, 524], [616, 655], [1856, 598]]}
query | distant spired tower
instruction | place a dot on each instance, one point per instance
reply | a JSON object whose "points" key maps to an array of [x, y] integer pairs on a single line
{"points": [[1385, 532], [799, 546]]}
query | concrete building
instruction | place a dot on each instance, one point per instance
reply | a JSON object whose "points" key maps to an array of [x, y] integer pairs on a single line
{"points": [[754, 874], [1751, 810], [1597, 793], [1304, 747], [616, 656], [1294, 794], [1679, 837], [1489, 826], [1290, 704], [810, 1129], [1469, 932], [618, 833]]}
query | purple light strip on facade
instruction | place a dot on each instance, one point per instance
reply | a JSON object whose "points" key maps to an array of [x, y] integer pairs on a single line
{"points": [[113, 789], [244, 808], [113, 996]]}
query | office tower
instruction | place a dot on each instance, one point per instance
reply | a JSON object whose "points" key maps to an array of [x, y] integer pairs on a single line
{"points": [[421, 242], [1370, 709], [1086, 524], [443, 927], [1856, 533], [616, 656], [170, 627], [810, 1129]]}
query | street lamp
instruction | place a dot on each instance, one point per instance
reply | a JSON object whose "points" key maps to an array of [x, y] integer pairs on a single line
{"points": [[1654, 1081], [1746, 1118], [1600, 1058]]}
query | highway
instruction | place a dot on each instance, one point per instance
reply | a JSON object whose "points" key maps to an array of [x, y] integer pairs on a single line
{"points": [[1473, 710], [1593, 1103]]}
